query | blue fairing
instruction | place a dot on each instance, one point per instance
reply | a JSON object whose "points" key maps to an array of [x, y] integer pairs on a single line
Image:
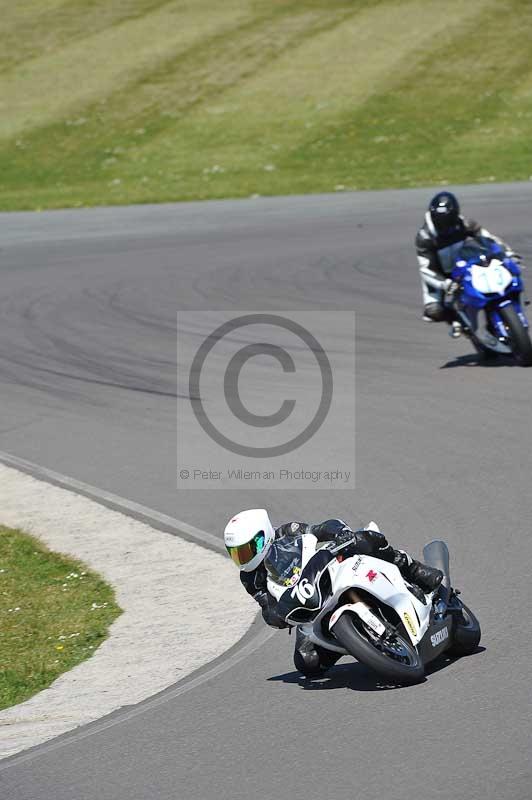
{"points": [[470, 297]]}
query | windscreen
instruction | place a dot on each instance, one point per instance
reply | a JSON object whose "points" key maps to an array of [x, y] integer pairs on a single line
{"points": [[473, 249]]}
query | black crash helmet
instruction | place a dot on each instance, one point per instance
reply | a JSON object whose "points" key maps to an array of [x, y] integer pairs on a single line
{"points": [[444, 211]]}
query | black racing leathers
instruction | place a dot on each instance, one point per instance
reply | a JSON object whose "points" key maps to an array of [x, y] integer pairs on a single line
{"points": [[359, 542]]}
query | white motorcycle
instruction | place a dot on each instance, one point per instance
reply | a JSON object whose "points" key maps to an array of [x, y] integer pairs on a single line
{"points": [[363, 607]]}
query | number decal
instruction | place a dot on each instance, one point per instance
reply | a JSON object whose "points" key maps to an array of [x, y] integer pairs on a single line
{"points": [[303, 590], [490, 280]]}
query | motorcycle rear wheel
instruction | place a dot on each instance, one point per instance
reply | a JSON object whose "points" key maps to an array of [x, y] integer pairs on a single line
{"points": [[518, 335], [350, 635]]}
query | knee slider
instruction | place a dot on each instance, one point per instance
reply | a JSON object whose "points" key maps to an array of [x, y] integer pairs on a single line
{"points": [[435, 312]]}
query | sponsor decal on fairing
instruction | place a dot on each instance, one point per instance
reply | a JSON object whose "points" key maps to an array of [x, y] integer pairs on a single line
{"points": [[439, 637]]}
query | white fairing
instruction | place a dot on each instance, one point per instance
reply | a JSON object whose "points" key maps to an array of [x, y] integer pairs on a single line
{"points": [[386, 583], [491, 279], [377, 577]]}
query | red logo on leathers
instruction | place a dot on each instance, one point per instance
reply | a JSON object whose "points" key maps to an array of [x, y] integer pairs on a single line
{"points": [[371, 576]]}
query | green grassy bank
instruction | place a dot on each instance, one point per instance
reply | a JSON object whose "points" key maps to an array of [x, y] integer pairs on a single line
{"points": [[127, 101], [54, 612]]}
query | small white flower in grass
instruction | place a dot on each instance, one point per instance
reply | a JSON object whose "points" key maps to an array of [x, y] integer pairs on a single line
{"points": [[17, 608], [2, 571], [94, 606], [61, 638], [269, 167], [115, 182]]}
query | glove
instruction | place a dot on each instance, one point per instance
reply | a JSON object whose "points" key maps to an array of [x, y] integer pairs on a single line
{"points": [[360, 542], [271, 618], [377, 539], [346, 541], [269, 614], [451, 289]]}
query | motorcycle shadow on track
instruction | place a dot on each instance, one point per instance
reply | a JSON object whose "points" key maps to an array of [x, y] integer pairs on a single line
{"points": [[359, 678], [473, 360]]}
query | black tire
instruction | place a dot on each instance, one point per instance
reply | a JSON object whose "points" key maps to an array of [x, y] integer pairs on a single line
{"points": [[466, 633], [367, 653], [518, 336]]}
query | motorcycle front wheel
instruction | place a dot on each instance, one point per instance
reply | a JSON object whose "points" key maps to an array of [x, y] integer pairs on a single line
{"points": [[466, 633], [518, 336], [395, 659]]}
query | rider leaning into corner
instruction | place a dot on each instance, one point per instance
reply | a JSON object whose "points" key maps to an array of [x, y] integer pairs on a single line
{"points": [[250, 537], [438, 242]]}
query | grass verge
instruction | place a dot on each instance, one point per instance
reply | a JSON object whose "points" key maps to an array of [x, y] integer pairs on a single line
{"points": [[54, 612], [158, 100]]}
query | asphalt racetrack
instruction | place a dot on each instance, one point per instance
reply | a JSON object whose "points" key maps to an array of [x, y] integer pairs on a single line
{"points": [[88, 306]]}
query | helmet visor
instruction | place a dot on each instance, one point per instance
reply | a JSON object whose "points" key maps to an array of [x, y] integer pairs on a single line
{"points": [[242, 554]]}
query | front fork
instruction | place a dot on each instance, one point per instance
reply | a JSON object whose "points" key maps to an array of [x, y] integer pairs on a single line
{"points": [[497, 322]]}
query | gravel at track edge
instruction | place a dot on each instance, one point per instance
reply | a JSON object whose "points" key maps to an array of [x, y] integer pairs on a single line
{"points": [[182, 606]]}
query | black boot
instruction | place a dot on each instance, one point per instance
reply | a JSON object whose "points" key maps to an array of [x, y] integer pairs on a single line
{"points": [[427, 578], [310, 659]]}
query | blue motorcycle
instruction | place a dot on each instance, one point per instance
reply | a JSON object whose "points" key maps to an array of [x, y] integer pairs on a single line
{"points": [[489, 281]]}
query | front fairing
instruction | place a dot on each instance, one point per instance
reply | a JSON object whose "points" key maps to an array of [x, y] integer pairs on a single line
{"points": [[386, 584], [471, 297]]}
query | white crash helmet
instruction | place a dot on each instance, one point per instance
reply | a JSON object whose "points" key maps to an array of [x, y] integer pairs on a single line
{"points": [[248, 537]]}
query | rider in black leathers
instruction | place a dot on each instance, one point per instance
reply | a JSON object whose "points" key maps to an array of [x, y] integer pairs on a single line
{"points": [[310, 659], [437, 243]]}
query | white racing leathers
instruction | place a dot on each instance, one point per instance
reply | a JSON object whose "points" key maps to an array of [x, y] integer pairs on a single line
{"points": [[437, 255]]}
